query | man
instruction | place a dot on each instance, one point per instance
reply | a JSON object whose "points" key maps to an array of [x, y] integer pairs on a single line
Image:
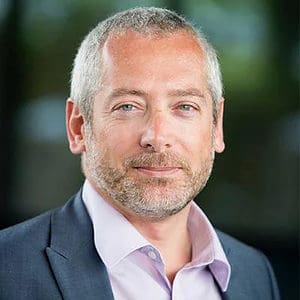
{"points": [[145, 113]]}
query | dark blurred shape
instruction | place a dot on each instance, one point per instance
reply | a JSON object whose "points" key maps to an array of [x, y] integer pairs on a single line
{"points": [[12, 82]]}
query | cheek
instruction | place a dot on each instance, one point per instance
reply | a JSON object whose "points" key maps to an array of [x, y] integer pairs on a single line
{"points": [[118, 141], [198, 144]]}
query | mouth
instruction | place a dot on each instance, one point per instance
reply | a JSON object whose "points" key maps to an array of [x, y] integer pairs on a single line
{"points": [[158, 171]]}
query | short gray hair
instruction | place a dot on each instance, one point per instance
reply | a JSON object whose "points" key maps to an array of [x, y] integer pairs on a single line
{"points": [[86, 73]]}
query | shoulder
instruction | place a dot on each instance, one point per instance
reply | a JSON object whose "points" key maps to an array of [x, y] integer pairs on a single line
{"points": [[35, 231], [231, 244], [240, 254], [24, 266], [24, 243], [251, 271], [32, 231]]}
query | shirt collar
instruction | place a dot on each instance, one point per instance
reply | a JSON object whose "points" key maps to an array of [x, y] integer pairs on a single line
{"points": [[207, 248], [115, 237]]}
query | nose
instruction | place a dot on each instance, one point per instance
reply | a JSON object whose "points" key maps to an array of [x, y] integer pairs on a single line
{"points": [[156, 135]]}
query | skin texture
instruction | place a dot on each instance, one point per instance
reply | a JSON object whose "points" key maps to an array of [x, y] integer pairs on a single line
{"points": [[150, 146]]}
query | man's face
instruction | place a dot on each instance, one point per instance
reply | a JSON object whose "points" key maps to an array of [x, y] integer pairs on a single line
{"points": [[151, 145]]}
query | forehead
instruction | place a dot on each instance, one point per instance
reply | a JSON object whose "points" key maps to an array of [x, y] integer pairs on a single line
{"points": [[125, 46], [128, 39], [160, 61]]}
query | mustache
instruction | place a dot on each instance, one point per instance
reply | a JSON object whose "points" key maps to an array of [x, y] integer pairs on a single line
{"points": [[165, 159]]}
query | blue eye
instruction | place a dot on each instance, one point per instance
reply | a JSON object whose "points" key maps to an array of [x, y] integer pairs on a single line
{"points": [[186, 107], [127, 107]]}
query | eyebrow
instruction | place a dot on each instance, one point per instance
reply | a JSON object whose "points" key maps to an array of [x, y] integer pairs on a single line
{"points": [[125, 92], [186, 92], [173, 93]]}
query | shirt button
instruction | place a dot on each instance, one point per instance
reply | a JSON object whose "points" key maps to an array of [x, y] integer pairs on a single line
{"points": [[152, 255]]}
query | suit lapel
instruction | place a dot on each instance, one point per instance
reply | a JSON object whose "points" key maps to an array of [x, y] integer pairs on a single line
{"points": [[234, 290], [79, 271]]}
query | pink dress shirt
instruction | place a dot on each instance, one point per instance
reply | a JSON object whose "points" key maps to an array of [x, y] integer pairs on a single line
{"points": [[136, 268]]}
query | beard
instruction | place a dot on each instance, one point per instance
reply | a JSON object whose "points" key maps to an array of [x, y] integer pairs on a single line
{"points": [[152, 198]]}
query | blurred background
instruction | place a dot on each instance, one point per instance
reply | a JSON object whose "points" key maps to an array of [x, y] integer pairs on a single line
{"points": [[254, 191]]}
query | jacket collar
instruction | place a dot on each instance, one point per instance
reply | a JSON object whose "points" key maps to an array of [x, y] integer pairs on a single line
{"points": [[79, 271]]}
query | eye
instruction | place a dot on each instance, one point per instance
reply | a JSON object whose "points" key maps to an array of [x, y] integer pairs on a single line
{"points": [[186, 107], [126, 107]]}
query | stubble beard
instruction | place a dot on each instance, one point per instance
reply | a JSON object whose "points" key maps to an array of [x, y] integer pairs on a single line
{"points": [[152, 198]]}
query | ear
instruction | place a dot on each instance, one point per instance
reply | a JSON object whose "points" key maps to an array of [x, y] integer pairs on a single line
{"points": [[219, 140], [75, 127]]}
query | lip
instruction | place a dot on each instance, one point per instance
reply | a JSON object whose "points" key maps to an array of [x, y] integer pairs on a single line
{"points": [[158, 171]]}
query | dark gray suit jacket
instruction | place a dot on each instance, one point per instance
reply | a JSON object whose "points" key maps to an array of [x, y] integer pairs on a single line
{"points": [[53, 257]]}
